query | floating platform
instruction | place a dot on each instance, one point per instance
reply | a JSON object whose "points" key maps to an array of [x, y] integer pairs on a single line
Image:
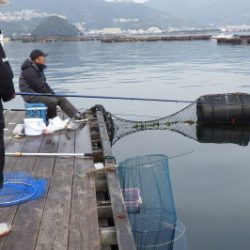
{"points": [[153, 38], [233, 40], [80, 211], [109, 38]]}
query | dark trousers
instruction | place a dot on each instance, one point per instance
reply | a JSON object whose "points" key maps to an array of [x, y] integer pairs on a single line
{"points": [[2, 155], [52, 102]]}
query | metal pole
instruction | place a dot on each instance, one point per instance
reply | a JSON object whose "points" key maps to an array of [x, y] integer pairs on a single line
{"points": [[18, 154]]}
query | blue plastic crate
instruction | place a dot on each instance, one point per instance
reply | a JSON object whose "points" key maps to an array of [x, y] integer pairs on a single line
{"points": [[36, 110]]}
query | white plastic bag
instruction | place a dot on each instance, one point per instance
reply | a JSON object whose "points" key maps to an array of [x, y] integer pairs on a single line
{"points": [[18, 130], [33, 126], [55, 124]]}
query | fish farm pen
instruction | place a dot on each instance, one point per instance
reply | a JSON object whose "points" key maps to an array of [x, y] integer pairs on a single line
{"points": [[235, 40], [83, 207]]}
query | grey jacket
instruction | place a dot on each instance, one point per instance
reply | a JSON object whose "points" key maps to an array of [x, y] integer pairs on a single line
{"points": [[33, 80]]}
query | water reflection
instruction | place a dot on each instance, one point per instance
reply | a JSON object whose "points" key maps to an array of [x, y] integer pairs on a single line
{"points": [[146, 186], [223, 134], [203, 133]]}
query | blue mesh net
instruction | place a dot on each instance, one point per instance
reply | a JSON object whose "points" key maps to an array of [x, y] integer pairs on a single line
{"points": [[21, 187], [148, 197]]}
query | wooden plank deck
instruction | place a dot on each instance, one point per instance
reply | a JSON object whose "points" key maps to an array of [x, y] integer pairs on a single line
{"points": [[66, 217]]}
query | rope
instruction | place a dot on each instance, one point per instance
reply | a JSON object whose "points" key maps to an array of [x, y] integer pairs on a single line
{"points": [[110, 168]]}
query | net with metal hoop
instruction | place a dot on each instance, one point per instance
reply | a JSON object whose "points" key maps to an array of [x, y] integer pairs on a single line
{"points": [[146, 187], [21, 187]]}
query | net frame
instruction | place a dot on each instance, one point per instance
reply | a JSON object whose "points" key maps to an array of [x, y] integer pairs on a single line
{"points": [[10, 186], [150, 174], [20, 187]]}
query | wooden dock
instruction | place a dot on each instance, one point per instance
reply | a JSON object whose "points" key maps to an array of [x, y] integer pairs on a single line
{"points": [[79, 211]]}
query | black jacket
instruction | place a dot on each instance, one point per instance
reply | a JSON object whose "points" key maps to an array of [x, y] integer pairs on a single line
{"points": [[7, 91], [33, 80]]}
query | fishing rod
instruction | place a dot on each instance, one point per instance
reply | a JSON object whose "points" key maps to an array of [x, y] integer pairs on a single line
{"points": [[127, 98], [104, 97]]}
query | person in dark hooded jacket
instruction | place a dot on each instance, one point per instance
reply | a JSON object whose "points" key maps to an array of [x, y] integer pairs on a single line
{"points": [[33, 80], [7, 92]]}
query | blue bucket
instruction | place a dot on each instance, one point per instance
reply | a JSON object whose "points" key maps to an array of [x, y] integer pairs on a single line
{"points": [[36, 110]]}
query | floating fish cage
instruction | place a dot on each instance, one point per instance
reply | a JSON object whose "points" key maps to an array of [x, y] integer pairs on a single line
{"points": [[153, 218]]}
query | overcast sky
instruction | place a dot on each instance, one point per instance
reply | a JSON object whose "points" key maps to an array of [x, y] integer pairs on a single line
{"points": [[135, 1]]}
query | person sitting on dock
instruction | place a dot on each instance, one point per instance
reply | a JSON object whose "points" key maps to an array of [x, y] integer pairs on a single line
{"points": [[33, 80]]}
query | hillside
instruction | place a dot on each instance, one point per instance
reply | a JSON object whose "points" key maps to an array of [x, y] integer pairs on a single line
{"points": [[55, 26], [213, 12], [99, 14]]}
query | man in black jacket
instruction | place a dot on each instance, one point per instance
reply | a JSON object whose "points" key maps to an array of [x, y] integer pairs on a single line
{"points": [[7, 92], [33, 80]]}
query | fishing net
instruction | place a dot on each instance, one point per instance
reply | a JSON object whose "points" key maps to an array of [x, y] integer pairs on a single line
{"points": [[148, 197], [222, 118], [183, 121], [21, 187]]}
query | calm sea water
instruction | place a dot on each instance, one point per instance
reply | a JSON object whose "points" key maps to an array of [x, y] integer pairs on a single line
{"points": [[210, 185]]}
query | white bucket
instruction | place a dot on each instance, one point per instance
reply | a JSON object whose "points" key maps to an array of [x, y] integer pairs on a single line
{"points": [[33, 126]]}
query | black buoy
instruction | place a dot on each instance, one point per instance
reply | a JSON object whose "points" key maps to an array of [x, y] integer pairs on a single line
{"points": [[233, 108]]}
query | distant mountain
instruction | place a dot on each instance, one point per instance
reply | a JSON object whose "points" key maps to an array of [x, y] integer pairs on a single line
{"points": [[10, 28], [55, 26], [208, 12], [99, 14]]}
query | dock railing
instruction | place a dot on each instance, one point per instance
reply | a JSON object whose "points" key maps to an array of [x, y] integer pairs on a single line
{"points": [[122, 230]]}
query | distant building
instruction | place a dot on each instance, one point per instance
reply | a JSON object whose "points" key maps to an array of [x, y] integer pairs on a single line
{"points": [[111, 31]]}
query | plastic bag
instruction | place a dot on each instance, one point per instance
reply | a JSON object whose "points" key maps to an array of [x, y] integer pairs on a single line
{"points": [[33, 126], [18, 130], [55, 124]]}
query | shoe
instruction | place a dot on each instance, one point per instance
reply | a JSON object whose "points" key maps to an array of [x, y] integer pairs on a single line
{"points": [[81, 117], [5, 228], [72, 125]]}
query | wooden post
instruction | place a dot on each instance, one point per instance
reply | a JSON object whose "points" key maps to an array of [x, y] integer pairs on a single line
{"points": [[108, 236]]}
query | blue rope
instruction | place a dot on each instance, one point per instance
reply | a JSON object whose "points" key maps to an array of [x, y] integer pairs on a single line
{"points": [[105, 97]]}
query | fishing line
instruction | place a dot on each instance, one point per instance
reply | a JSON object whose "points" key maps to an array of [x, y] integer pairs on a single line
{"points": [[179, 155], [135, 115]]}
